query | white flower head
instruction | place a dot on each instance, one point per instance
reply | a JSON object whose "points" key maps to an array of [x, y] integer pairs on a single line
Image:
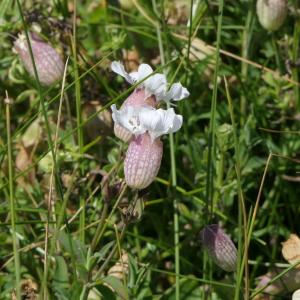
{"points": [[156, 84], [141, 119]]}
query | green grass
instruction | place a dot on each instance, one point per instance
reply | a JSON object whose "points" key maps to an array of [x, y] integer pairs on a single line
{"points": [[66, 214]]}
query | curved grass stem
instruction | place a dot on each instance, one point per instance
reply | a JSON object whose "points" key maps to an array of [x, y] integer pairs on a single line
{"points": [[13, 215]]}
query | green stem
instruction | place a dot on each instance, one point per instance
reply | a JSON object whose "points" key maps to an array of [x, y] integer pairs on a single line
{"points": [[245, 54], [220, 175], [99, 232], [111, 254], [276, 51], [78, 115], [173, 172], [212, 124], [48, 129], [295, 58], [88, 286], [242, 216], [97, 235], [101, 227], [13, 215]]}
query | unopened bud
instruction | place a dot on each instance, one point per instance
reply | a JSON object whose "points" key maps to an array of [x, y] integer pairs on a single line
{"points": [[120, 269], [48, 62], [126, 4], [220, 247], [142, 161], [271, 13]]}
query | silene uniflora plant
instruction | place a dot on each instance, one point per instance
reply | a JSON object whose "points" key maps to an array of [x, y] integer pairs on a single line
{"points": [[49, 64], [141, 123]]}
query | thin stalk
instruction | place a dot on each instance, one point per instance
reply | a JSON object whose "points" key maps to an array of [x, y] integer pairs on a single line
{"points": [[99, 232], [78, 113], [44, 113], [13, 214], [295, 57], [276, 51], [245, 55], [190, 26], [88, 286], [212, 123], [111, 254], [99, 227], [137, 242], [242, 215], [51, 208], [42, 102], [120, 253], [219, 179], [173, 171]]}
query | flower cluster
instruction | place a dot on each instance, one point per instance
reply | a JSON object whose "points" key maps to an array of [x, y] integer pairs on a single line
{"points": [[139, 122]]}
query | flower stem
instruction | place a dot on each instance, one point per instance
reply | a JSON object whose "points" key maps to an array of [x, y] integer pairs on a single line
{"points": [[13, 216], [242, 215], [173, 173], [212, 124], [97, 235], [295, 57]]}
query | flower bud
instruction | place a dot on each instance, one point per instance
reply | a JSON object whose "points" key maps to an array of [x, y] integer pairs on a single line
{"points": [[271, 13], [137, 98], [126, 4], [121, 268], [220, 247], [142, 161], [48, 62]]}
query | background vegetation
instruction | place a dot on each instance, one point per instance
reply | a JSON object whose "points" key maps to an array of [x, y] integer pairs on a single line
{"points": [[241, 122]]}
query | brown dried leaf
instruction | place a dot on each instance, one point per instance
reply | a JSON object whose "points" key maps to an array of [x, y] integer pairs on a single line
{"points": [[131, 59], [291, 249], [32, 134], [23, 162], [287, 282]]}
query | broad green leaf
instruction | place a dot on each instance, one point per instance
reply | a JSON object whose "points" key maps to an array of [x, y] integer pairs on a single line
{"points": [[117, 285]]}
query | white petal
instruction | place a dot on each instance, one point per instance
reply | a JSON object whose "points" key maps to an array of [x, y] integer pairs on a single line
{"points": [[129, 118], [177, 123], [156, 85], [144, 71], [118, 68], [140, 119], [177, 92], [159, 122], [134, 76]]}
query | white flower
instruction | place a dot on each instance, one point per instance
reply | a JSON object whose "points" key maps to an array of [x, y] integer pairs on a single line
{"points": [[156, 84], [139, 120]]}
